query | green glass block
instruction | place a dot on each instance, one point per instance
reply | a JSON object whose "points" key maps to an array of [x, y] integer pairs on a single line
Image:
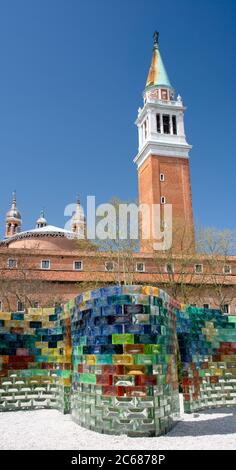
{"points": [[104, 359], [202, 373], [77, 350], [87, 378], [232, 318], [144, 359], [120, 299], [83, 340], [123, 339]]}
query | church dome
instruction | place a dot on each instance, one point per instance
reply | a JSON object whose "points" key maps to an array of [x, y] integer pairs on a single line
{"points": [[41, 221], [13, 213]]}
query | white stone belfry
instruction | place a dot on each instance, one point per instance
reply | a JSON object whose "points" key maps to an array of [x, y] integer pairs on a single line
{"points": [[161, 120], [78, 221]]}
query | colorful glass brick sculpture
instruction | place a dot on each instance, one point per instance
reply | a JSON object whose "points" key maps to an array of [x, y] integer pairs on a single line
{"points": [[124, 379], [207, 342], [35, 360], [110, 358]]}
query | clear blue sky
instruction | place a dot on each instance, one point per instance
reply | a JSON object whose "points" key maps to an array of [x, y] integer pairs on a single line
{"points": [[72, 74]]}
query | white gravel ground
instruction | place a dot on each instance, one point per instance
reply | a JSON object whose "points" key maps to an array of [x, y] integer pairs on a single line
{"points": [[49, 429]]}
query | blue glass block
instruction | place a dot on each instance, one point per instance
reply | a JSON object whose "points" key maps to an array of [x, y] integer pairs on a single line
{"points": [[145, 339], [112, 329], [130, 328], [119, 299], [53, 317], [134, 309], [17, 316], [92, 349], [101, 302], [111, 291], [112, 349]]}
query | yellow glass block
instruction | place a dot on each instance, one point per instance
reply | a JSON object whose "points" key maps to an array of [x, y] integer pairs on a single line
{"points": [[48, 311], [66, 381], [5, 316], [122, 359], [34, 311], [47, 324], [39, 344], [149, 290], [82, 306], [86, 296], [90, 359]]}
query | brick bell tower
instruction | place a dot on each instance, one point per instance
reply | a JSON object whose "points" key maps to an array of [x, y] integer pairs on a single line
{"points": [[163, 155]]}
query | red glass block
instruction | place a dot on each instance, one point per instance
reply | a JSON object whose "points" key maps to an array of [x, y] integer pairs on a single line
{"points": [[187, 396], [17, 330], [109, 391], [104, 379], [186, 381], [145, 380], [216, 358], [48, 366], [195, 396], [113, 369], [214, 379], [3, 373], [120, 391], [133, 348], [205, 365], [22, 359]]}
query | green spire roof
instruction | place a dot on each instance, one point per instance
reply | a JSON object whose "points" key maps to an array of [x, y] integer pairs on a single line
{"points": [[157, 73]]}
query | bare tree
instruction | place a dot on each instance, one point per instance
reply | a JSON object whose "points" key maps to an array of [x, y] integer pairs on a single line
{"points": [[120, 250], [217, 248]]}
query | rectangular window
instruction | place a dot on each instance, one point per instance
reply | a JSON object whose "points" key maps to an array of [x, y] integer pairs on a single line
{"points": [[162, 177], [163, 200], [158, 117], [227, 269], [140, 267], [78, 265], [169, 268], [226, 309], [12, 263], [20, 306], [109, 266], [193, 305], [198, 268], [174, 124], [206, 306], [164, 95], [45, 264], [145, 129], [166, 123], [36, 304]]}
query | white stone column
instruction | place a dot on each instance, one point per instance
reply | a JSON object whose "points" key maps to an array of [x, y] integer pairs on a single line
{"points": [[161, 122], [171, 125], [140, 137], [180, 124]]}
